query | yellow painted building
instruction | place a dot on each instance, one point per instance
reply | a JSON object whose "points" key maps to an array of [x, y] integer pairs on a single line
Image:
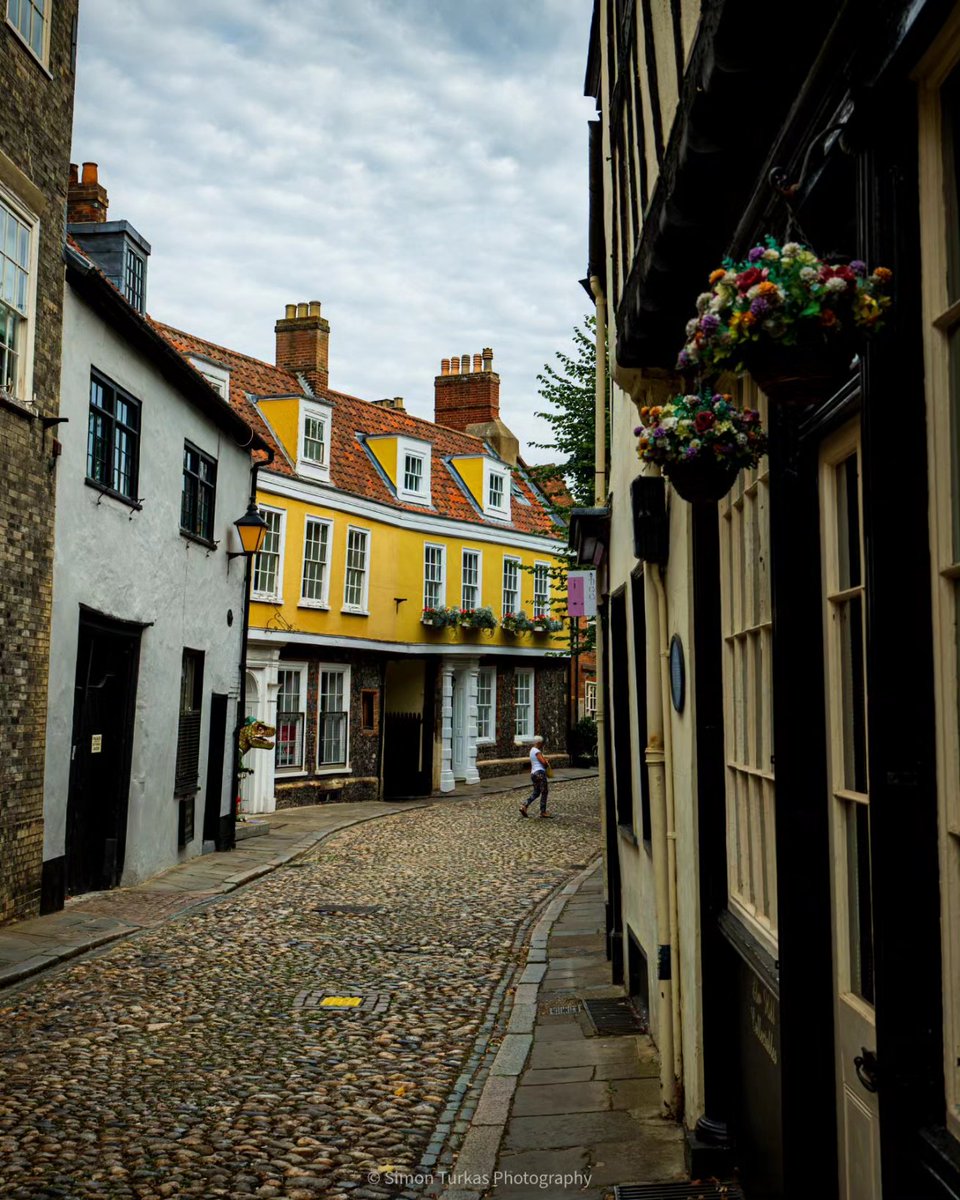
{"points": [[406, 631]]}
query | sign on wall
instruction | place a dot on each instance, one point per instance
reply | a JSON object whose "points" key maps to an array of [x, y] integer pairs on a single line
{"points": [[582, 593]]}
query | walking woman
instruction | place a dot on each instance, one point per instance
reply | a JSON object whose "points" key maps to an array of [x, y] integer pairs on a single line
{"points": [[538, 777]]}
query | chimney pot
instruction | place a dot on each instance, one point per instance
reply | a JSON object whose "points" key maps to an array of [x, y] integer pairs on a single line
{"points": [[86, 197], [468, 399], [445, 366], [303, 343], [465, 364], [90, 173], [455, 366], [74, 173], [302, 310], [314, 308], [290, 312], [476, 362], [487, 358]]}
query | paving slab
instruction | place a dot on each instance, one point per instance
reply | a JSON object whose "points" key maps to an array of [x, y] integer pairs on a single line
{"points": [[654, 1157], [571, 1129], [558, 1075], [579, 1054], [537, 1100]]}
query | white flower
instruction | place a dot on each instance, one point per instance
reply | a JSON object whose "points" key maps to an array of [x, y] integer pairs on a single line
{"points": [[771, 255], [753, 292], [730, 277], [684, 425], [741, 439], [808, 274], [836, 285], [695, 443], [692, 326], [668, 423], [703, 300], [791, 249]]}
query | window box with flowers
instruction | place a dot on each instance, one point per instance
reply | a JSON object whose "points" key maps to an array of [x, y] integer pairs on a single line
{"points": [[516, 623], [440, 618], [793, 321], [477, 618], [700, 442], [545, 624]]}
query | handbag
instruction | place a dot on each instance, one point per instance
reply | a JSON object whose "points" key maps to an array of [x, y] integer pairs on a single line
{"points": [[549, 769]]}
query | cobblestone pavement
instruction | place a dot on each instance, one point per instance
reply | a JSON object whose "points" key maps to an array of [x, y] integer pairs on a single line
{"points": [[192, 1060]]}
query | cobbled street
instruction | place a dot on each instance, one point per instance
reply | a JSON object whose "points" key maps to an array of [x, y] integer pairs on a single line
{"points": [[192, 1059]]}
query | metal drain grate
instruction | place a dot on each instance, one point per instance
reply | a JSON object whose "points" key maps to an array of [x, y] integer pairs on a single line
{"points": [[613, 1017], [342, 1000], [349, 910], [711, 1190]]}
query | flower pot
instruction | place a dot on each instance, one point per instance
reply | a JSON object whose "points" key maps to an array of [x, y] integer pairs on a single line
{"points": [[701, 482], [803, 374]]}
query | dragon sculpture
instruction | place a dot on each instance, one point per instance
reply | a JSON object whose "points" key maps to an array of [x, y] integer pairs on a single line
{"points": [[254, 735]]}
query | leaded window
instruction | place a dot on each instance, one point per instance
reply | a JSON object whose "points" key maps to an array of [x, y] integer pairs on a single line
{"points": [[266, 571], [355, 576], [14, 295], [523, 704], [333, 717], [113, 438], [316, 540], [198, 493]]}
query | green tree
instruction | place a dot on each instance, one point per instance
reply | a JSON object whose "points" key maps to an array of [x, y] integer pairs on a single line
{"points": [[569, 389]]}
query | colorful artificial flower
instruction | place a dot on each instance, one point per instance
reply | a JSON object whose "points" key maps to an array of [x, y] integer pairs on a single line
{"points": [[703, 426], [781, 294]]}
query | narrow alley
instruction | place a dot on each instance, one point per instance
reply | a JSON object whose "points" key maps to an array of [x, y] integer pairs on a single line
{"points": [[222, 1052]]}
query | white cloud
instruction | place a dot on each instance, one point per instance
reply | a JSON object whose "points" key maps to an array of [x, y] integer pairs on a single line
{"points": [[417, 165]]}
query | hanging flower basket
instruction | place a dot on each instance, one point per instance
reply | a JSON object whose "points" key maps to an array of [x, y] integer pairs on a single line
{"points": [[700, 441], [516, 623], [702, 482], [793, 321], [545, 624]]}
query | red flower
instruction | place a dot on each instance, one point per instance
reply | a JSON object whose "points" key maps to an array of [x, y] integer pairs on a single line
{"points": [[703, 421], [846, 273], [749, 278]]}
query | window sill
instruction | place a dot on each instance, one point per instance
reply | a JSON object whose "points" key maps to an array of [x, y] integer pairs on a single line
{"points": [[414, 498], [628, 834], [136, 505], [289, 772], [313, 471], [523, 741], [316, 605], [201, 541], [355, 612], [486, 741], [342, 769], [263, 598]]}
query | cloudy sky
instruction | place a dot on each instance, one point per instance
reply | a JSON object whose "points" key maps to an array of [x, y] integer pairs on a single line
{"points": [[419, 166]]}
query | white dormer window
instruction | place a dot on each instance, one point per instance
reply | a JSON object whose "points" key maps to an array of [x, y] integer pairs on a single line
{"points": [[413, 470], [217, 375], [496, 490], [313, 457]]}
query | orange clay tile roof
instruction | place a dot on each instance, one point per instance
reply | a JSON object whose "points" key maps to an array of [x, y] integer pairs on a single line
{"points": [[352, 469]]}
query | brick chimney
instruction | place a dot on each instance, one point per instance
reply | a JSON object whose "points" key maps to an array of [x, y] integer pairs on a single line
{"points": [[86, 196], [303, 343], [467, 397]]}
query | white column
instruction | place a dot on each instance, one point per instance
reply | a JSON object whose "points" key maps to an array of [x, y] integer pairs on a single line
{"points": [[259, 791], [447, 781], [470, 677]]}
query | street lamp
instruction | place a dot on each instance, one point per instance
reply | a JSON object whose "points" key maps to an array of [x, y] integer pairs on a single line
{"points": [[252, 529]]}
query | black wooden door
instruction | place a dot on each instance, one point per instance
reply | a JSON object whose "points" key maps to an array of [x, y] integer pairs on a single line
{"points": [[215, 752], [402, 774], [106, 683]]}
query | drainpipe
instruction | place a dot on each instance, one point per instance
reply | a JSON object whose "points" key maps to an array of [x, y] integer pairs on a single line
{"points": [[230, 841], [600, 402], [668, 954]]}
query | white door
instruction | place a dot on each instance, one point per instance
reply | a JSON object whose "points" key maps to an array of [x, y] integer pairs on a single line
{"points": [[458, 756], [844, 613]]}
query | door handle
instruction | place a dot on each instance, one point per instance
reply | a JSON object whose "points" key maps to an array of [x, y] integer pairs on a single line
{"points": [[866, 1067]]}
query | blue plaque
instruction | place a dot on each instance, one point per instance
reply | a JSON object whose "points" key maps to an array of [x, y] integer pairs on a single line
{"points": [[677, 673]]}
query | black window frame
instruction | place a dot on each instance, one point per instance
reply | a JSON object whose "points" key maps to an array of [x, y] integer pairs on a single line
{"points": [[134, 270], [107, 482], [193, 486], [190, 718]]}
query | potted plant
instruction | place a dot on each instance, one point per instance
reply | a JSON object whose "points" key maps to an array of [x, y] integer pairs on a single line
{"points": [[516, 623], [440, 617], [789, 318], [544, 623], [477, 618], [700, 442]]}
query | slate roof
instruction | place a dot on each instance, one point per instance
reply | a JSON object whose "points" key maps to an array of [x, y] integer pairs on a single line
{"points": [[352, 468]]}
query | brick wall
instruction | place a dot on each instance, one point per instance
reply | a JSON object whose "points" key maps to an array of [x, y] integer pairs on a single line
{"points": [[466, 398], [36, 114], [363, 781]]}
